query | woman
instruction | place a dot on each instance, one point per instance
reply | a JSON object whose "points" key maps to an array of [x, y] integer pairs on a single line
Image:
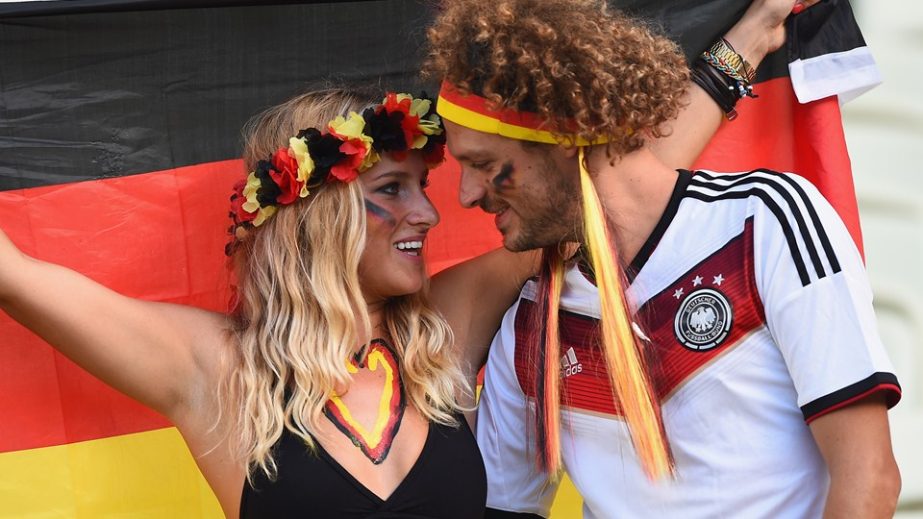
{"points": [[332, 343]]}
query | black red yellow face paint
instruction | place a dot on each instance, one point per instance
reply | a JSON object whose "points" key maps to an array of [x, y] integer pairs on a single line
{"points": [[374, 443], [380, 212], [500, 180]]}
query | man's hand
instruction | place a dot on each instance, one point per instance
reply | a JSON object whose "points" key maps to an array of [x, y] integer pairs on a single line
{"points": [[762, 28], [760, 31]]}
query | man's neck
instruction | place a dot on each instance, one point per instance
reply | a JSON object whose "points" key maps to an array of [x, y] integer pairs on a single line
{"points": [[634, 192]]}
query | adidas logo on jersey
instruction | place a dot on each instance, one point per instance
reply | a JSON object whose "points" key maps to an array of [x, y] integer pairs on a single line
{"points": [[569, 364]]}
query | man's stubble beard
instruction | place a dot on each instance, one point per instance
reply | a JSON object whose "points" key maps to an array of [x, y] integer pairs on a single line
{"points": [[555, 217]]}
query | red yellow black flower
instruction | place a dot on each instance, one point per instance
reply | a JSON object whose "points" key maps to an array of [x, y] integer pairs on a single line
{"points": [[347, 147]]}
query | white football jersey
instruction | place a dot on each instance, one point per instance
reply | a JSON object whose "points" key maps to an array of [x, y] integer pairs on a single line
{"points": [[758, 314]]}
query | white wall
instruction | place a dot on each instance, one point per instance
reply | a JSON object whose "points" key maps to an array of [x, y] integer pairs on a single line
{"points": [[884, 131]]}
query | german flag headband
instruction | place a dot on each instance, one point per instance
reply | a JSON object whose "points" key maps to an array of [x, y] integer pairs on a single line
{"points": [[474, 112]]}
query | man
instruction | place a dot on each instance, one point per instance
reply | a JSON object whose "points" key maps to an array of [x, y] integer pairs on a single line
{"points": [[748, 313]]}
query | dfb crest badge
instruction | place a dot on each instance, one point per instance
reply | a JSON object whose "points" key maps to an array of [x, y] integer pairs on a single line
{"points": [[703, 320]]}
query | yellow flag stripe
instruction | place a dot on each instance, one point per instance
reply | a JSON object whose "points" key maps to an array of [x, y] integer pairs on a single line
{"points": [[567, 502], [134, 476]]}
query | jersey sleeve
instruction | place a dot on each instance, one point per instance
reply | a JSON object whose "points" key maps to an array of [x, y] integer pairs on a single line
{"points": [[818, 302], [515, 485]]}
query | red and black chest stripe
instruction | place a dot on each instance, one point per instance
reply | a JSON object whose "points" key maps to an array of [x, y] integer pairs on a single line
{"points": [[702, 315]]}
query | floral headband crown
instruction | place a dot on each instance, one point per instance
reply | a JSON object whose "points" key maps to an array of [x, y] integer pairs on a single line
{"points": [[349, 146]]}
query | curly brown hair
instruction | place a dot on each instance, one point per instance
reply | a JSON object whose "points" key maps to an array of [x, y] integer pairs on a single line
{"points": [[587, 70]]}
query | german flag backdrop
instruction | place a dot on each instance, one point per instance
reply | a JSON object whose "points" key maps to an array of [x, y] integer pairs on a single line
{"points": [[119, 132]]}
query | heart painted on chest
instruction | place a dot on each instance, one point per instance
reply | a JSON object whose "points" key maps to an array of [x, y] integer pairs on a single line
{"points": [[376, 443]]}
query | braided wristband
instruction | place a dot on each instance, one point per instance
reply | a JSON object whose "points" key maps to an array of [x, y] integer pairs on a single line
{"points": [[722, 56], [746, 70]]}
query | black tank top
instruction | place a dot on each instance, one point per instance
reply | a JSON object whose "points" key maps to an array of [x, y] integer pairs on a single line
{"points": [[446, 482]]}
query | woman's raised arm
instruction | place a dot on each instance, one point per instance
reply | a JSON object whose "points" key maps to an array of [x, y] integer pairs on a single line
{"points": [[144, 349], [474, 295]]}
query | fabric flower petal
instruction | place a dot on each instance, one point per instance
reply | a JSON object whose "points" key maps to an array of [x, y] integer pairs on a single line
{"points": [[420, 107], [249, 193], [264, 214], [305, 163]]}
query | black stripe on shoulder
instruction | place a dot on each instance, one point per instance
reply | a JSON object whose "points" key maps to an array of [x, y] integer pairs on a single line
{"points": [[782, 185], [751, 178], [818, 226], [767, 199], [822, 236], [878, 381]]}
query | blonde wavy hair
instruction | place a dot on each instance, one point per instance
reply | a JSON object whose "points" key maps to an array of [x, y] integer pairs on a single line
{"points": [[587, 70], [300, 312]]}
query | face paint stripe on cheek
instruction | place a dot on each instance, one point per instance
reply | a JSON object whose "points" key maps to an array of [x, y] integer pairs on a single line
{"points": [[380, 212], [503, 176]]}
